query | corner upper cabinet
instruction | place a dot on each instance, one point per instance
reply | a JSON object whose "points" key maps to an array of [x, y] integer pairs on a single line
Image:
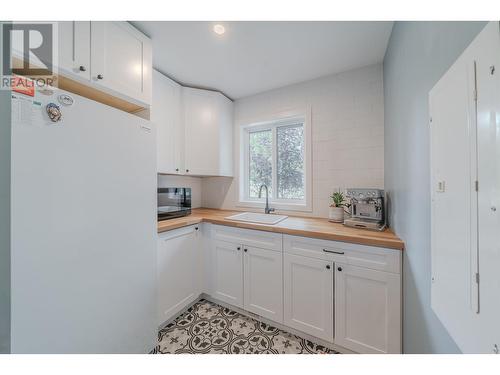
{"points": [[208, 131], [121, 59], [74, 49], [166, 115]]}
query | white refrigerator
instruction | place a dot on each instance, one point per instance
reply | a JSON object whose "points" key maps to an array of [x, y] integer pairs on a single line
{"points": [[83, 227]]}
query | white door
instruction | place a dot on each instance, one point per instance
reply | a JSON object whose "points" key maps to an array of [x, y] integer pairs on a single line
{"points": [[263, 282], [488, 158], [227, 272], [465, 179], [177, 271], [201, 132], [166, 115], [121, 59], [309, 295], [74, 48], [367, 310]]}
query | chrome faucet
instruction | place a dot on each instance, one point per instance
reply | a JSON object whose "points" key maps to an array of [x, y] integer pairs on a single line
{"points": [[267, 210]]}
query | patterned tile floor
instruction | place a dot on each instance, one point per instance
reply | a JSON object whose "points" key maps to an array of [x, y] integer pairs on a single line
{"points": [[209, 328]]}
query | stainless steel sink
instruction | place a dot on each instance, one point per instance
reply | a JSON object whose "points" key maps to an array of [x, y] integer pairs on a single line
{"points": [[253, 217]]}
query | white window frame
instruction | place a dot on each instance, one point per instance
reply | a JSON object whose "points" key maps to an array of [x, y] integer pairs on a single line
{"points": [[272, 122]]}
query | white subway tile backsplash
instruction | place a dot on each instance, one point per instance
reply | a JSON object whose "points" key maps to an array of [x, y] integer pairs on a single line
{"points": [[347, 133]]}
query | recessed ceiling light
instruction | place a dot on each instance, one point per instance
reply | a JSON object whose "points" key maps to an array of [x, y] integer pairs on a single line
{"points": [[219, 29]]}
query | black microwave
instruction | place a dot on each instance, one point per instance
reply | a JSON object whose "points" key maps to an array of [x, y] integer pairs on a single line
{"points": [[173, 202]]}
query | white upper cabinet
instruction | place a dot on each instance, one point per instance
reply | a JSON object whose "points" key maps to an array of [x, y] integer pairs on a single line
{"points": [[367, 309], [208, 119], [166, 115], [113, 57], [121, 59], [74, 48]]}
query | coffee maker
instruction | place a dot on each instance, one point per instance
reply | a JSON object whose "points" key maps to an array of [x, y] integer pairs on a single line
{"points": [[367, 209]]}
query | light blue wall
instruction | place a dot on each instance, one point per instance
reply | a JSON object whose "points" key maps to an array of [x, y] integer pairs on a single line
{"points": [[419, 53], [4, 216]]}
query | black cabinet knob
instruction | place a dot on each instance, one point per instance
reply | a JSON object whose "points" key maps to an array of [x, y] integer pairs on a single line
{"points": [[245, 250], [177, 169], [100, 76], [187, 170], [196, 228], [339, 269], [82, 68], [327, 266], [238, 248]]}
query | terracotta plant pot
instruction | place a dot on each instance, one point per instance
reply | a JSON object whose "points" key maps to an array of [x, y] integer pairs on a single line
{"points": [[336, 214]]}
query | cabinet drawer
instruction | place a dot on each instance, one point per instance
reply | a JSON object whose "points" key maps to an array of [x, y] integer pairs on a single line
{"points": [[171, 234], [372, 257], [255, 238]]}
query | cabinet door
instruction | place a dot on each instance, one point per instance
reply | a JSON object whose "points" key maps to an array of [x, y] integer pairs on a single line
{"points": [[367, 310], [166, 115], [224, 118], [263, 282], [227, 272], [201, 132], [309, 295], [74, 49], [121, 59], [178, 283]]}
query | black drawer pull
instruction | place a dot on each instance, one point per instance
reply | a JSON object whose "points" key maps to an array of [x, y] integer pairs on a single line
{"points": [[333, 252]]}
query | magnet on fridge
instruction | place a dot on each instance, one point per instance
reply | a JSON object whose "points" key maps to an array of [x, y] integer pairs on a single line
{"points": [[54, 112], [65, 99]]}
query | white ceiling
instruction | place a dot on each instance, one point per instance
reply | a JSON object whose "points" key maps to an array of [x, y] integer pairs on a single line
{"points": [[253, 57]]}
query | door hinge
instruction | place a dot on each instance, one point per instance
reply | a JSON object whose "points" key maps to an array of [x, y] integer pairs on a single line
{"points": [[477, 278], [476, 185]]}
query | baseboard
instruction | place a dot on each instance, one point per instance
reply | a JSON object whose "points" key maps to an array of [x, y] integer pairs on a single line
{"points": [[180, 312]]}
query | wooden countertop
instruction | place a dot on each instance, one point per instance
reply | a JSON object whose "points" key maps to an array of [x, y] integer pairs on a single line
{"points": [[294, 225]]}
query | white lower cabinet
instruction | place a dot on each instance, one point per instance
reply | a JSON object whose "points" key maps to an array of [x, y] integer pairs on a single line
{"points": [[247, 276], [345, 294], [227, 272], [367, 309], [263, 282], [178, 271], [308, 286]]}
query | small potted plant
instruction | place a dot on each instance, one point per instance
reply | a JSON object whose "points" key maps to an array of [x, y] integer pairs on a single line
{"points": [[336, 213]]}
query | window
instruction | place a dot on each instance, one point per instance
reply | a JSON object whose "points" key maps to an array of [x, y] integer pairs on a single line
{"points": [[276, 154]]}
